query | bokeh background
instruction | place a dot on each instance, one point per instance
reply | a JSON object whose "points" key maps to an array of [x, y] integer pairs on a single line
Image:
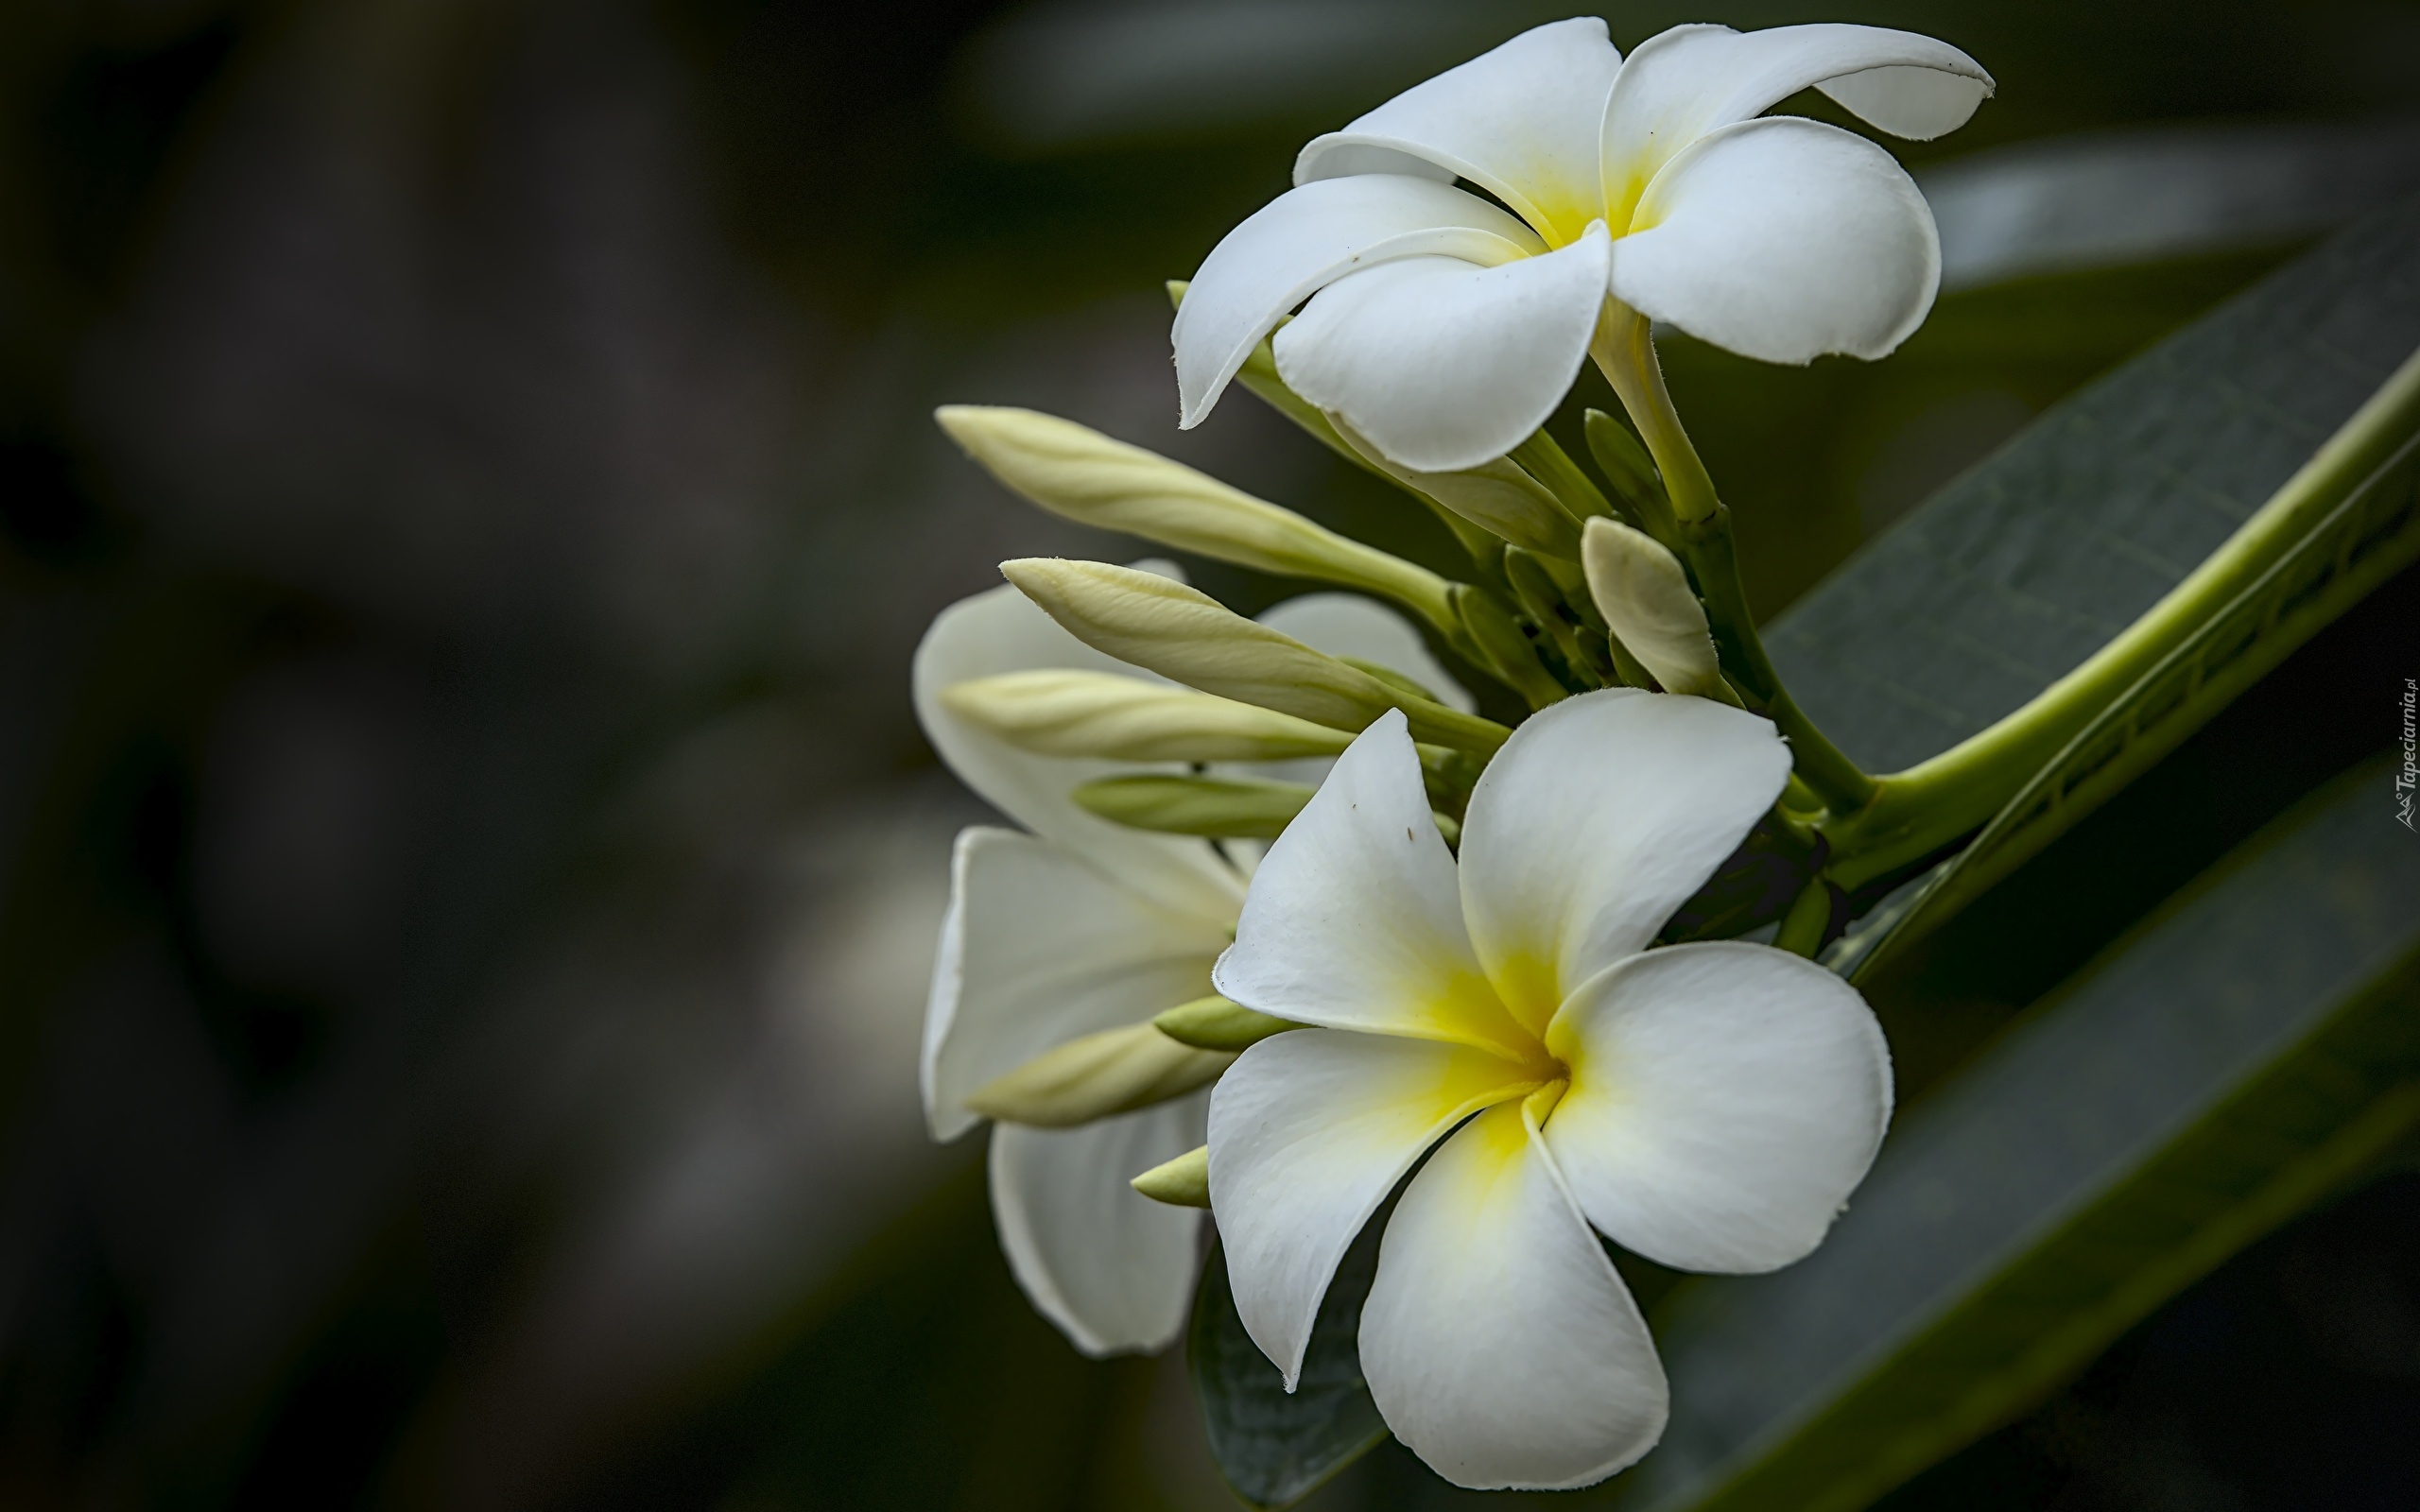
{"points": [[468, 870]]}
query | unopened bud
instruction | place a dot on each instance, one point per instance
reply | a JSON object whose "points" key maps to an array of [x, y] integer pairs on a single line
{"points": [[1167, 627], [1225, 808], [1115, 1071], [1542, 597], [1113, 717], [1543, 457], [1646, 599], [1625, 463], [1497, 495], [1411, 686], [1215, 1024], [1082, 475], [1183, 1182], [1499, 639]]}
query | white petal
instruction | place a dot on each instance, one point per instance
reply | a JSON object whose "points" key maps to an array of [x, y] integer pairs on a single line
{"points": [[1522, 122], [1783, 239], [1039, 948], [1355, 920], [1686, 83], [1600, 817], [1725, 1099], [1308, 1133], [1498, 1341], [1444, 365], [1306, 239], [1111, 1268], [1001, 631]]}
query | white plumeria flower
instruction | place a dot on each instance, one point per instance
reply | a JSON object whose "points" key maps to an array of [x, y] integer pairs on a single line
{"points": [[1074, 926], [1707, 1106], [1445, 330]]}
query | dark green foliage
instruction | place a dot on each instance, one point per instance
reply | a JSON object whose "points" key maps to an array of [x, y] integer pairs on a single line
{"points": [[1275, 1448], [2012, 575]]}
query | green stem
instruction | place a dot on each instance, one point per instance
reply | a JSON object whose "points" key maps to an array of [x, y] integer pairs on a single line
{"points": [[1625, 353], [1925, 808], [1698, 528], [1810, 916]]}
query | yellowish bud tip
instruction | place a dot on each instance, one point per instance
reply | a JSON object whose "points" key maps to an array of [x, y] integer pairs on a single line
{"points": [[999, 436], [958, 420], [1183, 1182], [1056, 582]]}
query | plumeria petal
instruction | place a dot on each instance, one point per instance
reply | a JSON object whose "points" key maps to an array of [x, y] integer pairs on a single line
{"points": [[1309, 1132], [1354, 920], [1725, 1099], [1307, 238], [1783, 239], [1038, 949], [1110, 1267], [1000, 631], [1498, 1343], [1444, 365], [1683, 83], [1521, 122], [1600, 817]]}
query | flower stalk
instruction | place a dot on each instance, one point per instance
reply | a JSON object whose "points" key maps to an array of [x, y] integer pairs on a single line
{"points": [[1692, 522]]}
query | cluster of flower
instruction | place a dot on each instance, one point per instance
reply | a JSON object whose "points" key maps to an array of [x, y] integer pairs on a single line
{"points": [[1287, 920]]}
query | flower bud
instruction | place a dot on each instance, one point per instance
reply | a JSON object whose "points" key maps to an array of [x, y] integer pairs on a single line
{"points": [[1498, 637], [1227, 808], [1191, 638], [1497, 495], [1084, 476], [1215, 1024], [1542, 597], [1543, 457], [1115, 1071], [1183, 1182], [1626, 464], [1646, 599], [1115, 718]]}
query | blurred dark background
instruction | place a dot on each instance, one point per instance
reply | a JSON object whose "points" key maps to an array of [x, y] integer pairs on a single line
{"points": [[467, 868]]}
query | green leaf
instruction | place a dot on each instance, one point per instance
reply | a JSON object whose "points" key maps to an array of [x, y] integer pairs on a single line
{"points": [[2355, 547], [1277, 1448], [2013, 576], [2245, 1053]]}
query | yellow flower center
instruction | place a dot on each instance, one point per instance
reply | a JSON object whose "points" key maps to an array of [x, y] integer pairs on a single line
{"points": [[1475, 1012]]}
